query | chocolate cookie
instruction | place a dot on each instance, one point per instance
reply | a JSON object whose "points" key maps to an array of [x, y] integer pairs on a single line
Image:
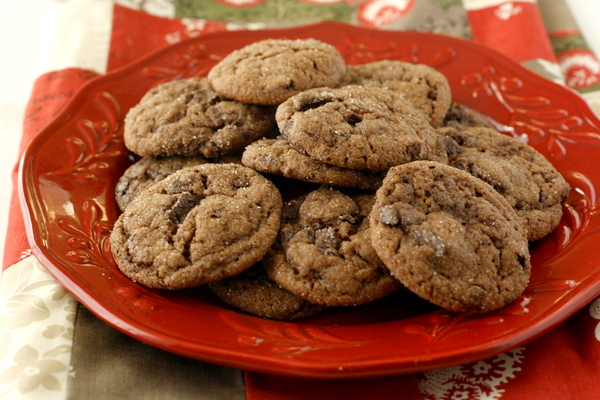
{"points": [[323, 253], [449, 237], [189, 118], [424, 87], [279, 157], [147, 171], [270, 71], [356, 127], [253, 292], [526, 179], [196, 226], [459, 116]]}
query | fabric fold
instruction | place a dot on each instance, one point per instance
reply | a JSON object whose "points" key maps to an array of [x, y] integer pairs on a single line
{"points": [[579, 65], [515, 29]]}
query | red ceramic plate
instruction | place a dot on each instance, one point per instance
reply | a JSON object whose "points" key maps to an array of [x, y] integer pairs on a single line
{"points": [[69, 171]]}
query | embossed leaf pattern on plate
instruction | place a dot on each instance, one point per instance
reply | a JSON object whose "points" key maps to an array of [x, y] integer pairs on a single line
{"points": [[197, 60], [88, 235], [355, 51], [582, 210], [96, 143], [535, 117], [286, 337]]}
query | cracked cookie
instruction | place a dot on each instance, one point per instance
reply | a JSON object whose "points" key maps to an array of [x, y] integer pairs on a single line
{"points": [[450, 238], [270, 71], [279, 157], [425, 88], [323, 252], [255, 293], [147, 171], [188, 118], [521, 174], [196, 226], [356, 127]]}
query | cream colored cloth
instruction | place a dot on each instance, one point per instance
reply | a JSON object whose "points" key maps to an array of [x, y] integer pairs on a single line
{"points": [[37, 318]]}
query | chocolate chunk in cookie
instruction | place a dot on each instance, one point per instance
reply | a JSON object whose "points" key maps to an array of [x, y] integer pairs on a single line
{"points": [[188, 118], [279, 157], [526, 179], [270, 71], [323, 253], [254, 293], [425, 88], [450, 238], [356, 127], [196, 226], [147, 171]]}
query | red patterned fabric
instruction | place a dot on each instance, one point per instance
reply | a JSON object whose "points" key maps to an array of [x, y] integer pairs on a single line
{"points": [[136, 34], [563, 364], [513, 28], [50, 93]]}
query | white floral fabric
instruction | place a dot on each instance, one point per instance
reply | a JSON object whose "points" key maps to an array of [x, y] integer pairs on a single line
{"points": [[481, 380], [37, 318]]}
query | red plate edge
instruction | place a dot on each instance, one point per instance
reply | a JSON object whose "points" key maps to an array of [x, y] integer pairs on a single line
{"points": [[294, 367]]}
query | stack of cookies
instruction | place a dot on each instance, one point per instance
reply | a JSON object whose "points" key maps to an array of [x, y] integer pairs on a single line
{"points": [[387, 183]]}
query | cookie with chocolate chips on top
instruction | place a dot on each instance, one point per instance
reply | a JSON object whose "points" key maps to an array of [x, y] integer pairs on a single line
{"points": [[356, 127], [189, 118], [198, 225], [425, 88], [450, 238], [323, 253], [521, 174], [146, 172]]}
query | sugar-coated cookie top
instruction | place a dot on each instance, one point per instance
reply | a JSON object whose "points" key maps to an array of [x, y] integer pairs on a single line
{"points": [[187, 117], [356, 127], [270, 71], [449, 237], [196, 226]]}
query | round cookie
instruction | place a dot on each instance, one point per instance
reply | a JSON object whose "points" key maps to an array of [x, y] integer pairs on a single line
{"points": [[356, 127], [147, 171], [450, 238], [425, 88], [253, 292], [188, 118], [323, 253], [279, 157], [526, 179], [270, 71], [196, 226]]}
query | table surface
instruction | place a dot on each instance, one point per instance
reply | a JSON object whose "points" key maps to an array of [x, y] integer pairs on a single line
{"points": [[20, 36]]}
